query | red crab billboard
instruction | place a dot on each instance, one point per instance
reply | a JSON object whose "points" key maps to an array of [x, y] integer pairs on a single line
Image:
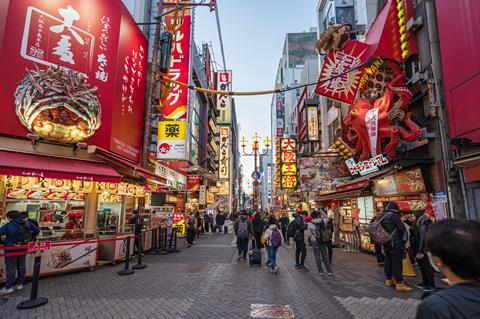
{"points": [[76, 72]]}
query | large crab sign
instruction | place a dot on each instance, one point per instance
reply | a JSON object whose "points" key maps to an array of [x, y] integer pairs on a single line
{"points": [[371, 124]]}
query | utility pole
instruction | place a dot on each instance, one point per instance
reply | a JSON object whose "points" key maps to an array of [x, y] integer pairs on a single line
{"points": [[153, 72]]}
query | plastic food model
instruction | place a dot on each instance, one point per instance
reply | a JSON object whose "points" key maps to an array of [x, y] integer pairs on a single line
{"points": [[58, 104]]}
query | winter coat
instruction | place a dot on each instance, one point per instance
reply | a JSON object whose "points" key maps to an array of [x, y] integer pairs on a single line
{"points": [[312, 228], [236, 225], [392, 223], [455, 302], [258, 225], [10, 231], [220, 219], [268, 234]]}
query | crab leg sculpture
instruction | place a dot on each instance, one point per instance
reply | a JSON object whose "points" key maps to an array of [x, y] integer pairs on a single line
{"points": [[390, 113]]}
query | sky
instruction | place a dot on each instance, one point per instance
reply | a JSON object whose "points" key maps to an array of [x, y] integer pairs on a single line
{"points": [[253, 33]]}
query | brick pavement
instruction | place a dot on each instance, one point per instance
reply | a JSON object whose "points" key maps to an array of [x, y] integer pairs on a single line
{"points": [[205, 281]]}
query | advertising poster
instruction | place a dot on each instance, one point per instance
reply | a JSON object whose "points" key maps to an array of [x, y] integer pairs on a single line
{"points": [[74, 68], [224, 102], [172, 140], [193, 182], [312, 124]]}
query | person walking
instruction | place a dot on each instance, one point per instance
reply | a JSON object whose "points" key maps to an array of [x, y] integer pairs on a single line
{"points": [[18, 232], [273, 240], [394, 249], [206, 223], [284, 222], [329, 224], [243, 230], [190, 236], [212, 223], [199, 223], [419, 230], [319, 235], [137, 221], [453, 248], [220, 221], [258, 228], [296, 231]]}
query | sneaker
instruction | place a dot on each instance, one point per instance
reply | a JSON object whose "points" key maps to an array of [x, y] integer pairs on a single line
{"points": [[275, 271], [428, 289], [420, 286], [244, 259], [5, 291], [303, 268], [320, 273], [331, 274], [239, 259], [18, 287], [271, 270]]}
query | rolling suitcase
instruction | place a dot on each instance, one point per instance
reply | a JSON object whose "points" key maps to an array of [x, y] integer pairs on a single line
{"points": [[254, 255]]}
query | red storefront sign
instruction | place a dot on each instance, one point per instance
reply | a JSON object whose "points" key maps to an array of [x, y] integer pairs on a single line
{"points": [[174, 102], [38, 246], [193, 182], [335, 82], [84, 37]]}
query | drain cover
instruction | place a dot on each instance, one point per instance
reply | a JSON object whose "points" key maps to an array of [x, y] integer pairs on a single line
{"points": [[271, 311]]}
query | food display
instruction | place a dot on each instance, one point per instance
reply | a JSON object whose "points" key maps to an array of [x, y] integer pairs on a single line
{"points": [[58, 104]]}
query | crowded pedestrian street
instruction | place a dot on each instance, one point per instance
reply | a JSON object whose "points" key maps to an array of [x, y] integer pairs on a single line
{"points": [[206, 281], [239, 159]]}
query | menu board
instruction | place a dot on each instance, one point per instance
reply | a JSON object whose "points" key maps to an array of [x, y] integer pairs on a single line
{"points": [[405, 182]]}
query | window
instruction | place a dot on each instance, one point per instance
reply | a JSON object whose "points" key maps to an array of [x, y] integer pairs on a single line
{"points": [[366, 209]]}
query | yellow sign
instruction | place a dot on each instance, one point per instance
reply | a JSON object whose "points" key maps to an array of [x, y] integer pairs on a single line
{"points": [[289, 182], [172, 130], [289, 169]]}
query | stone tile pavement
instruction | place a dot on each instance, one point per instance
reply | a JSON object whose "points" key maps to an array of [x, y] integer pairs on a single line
{"points": [[205, 281]]}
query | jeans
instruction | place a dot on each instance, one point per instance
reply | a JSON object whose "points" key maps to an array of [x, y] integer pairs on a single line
{"points": [[428, 274], [300, 252], [15, 265], [272, 256], [330, 251], [379, 254], [321, 254], [393, 263], [190, 235], [284, 234], [242, 246], [137, 244]]}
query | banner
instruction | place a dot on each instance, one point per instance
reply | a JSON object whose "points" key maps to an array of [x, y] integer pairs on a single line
{"points": [[202, 198], [335, 82], [172, 140], [224, 157], [313, 132], [174, 102], [99, 89], [224, 102]]}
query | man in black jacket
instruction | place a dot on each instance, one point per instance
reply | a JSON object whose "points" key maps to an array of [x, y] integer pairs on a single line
{"points": [[395, 248], [417, 241], [296, 230]]}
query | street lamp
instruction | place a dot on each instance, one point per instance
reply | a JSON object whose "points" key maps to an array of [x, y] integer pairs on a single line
{"points": [[256, 153]]}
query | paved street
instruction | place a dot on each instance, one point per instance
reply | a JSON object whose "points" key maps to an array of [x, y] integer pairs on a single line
{"points": [[205, 281]]}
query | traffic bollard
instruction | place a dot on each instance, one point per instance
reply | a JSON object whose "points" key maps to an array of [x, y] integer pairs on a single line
{"points": [[34, 300], [127, 271], [154, 241], [139, 264]]}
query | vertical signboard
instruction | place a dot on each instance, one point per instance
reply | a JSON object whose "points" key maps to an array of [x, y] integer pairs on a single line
{"points": [[312, 124], [202, 198], [76, 72], [224, 157], [172, 140], [224, 102], [279, 114], [288, 158], [174, 100]]}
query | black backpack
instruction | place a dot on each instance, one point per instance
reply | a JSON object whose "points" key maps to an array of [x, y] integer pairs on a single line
{"points": [[24, 234], [322, 234]]}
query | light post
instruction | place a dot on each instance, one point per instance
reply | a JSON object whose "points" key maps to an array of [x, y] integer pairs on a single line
{"points": [[256, 153]]}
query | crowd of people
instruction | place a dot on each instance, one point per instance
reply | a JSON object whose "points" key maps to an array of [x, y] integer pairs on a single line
{"points": [[267, 231], [198, 223], [448, 247]]}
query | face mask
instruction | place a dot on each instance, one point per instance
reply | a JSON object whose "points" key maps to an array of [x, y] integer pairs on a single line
{"points": [[429, 255]]}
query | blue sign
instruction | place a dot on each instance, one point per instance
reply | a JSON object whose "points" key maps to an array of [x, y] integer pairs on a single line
{"points": [[256, 175]]}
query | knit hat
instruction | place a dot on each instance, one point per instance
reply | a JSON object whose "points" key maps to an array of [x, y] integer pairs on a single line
{"points": [[392, 206], [308, 219]]}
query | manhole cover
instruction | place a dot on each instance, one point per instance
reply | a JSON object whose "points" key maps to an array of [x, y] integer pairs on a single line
{"points": [[271, 311]]}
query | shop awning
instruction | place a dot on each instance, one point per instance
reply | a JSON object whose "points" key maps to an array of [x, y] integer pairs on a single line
{"points": [[196, 169], [340, 195], [36, 165], [133, 169]]}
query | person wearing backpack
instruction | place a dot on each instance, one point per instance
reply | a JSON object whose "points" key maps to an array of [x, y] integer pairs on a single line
{"points": [[258, 228], [296, 231], [273, 240], [393, 247], [18, 233], [243, 230], [319, 235]]}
